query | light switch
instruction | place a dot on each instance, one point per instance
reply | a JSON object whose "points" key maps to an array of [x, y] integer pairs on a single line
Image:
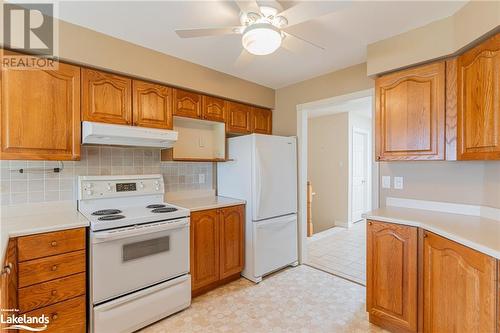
{"points": [[398, 183], [201, 142], [201, 178], [386, 181]]}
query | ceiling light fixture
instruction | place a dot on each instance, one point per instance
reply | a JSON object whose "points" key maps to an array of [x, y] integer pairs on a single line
{"points": [[261, 38]]}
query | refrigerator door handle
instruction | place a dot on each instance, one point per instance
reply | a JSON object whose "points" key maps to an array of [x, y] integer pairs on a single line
{"points": [[258, 179]]}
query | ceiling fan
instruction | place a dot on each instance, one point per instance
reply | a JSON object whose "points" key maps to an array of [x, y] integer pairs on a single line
{"points": [[264, 27]]}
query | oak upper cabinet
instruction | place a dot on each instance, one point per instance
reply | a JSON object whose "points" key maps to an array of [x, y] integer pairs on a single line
{"points": [[214, 109], [392, 276], [187, 104], [205, 232], [106, 97], [40, 114], [152, 105], [217, 247], [410, 114], [478, 102], [239, 118], [459, 286], [262, 121], [231, 240]]}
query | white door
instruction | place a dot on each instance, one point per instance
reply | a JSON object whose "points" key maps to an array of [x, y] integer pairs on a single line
{"points": [[274, 176], [359, 174]]}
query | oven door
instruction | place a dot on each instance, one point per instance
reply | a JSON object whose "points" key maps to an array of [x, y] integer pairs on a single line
{"points": [[128, 259]]}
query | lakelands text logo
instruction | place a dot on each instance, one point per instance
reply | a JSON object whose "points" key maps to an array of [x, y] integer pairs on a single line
{"points": [[12, 321], [28, 29]]}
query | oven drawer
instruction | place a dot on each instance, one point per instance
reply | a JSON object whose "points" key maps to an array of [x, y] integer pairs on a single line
{"points": [[43, 294], [51, 243], [131, 312], [50, 268], [64, 317]]}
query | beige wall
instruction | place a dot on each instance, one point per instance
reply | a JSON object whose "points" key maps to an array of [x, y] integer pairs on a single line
{"points": [[328, 169], [435, 40], [337, 83], [88, 47]]}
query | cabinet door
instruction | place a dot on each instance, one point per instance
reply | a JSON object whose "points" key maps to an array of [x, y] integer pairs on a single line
{"points": [[214, 109], [262, 121], [187, 104], [410, 113], [232, 224], [8, 280], [392, 276], [106, 98], [239, 120], [205, 233], [152, 105], [478, 102], [459, 287], [40, 114]]}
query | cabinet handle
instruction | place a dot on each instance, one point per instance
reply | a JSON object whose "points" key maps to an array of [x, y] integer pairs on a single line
{"points": [[55, 316], [7, 269], [53, 244], [378, 158], [53, 292], [54, 267], [370, 222]]}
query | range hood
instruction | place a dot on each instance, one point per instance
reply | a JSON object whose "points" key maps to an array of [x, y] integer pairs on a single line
{"points": [[124, 135]]}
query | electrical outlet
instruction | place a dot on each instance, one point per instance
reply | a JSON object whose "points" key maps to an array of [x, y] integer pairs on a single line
{"points": [[201, 178], [398, 183], [386, 181]]}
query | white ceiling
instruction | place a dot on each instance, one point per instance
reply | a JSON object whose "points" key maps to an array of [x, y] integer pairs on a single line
{"points": [[344, 33]]}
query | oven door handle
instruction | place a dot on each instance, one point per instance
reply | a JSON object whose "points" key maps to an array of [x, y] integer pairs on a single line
{"points": [[101, 236]]}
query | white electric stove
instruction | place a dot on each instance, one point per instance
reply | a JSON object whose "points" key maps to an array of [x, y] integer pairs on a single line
{"points": [[139, 251]]}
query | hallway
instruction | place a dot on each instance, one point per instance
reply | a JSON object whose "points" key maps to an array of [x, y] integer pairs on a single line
{"points": [[340, 251]]}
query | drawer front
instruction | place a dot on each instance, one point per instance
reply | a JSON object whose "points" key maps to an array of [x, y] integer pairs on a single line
{"points": [[64, 317], [50, 268], [51, 243], [47, 293]]}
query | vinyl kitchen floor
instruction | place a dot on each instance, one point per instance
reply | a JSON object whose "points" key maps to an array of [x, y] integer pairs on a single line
{"points": [[300, 299], [340, 251]]}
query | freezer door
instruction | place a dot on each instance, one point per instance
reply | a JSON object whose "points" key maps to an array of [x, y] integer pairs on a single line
{"points": [[275, 244], [274, 176]]}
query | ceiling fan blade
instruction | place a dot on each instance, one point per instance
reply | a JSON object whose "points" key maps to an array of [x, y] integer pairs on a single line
{"points": [[190, 33], [244, 58], [289, 35], [309, 10], [248, 6]]}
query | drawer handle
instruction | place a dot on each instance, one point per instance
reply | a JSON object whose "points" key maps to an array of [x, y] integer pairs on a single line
{"points": [[53, 244], [53, 292], [55, 316], [370, 222], [54, 267]]}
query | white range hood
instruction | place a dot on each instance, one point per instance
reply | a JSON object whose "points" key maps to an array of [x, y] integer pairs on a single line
{"points": [[124, 135]]}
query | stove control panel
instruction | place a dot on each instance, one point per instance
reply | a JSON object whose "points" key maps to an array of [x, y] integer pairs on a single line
{"points": [[93, 187]]}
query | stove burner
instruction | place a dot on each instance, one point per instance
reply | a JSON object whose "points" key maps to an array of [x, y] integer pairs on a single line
{"points": [[156, 206], [106, 212], [164, 210], [111, 217]]}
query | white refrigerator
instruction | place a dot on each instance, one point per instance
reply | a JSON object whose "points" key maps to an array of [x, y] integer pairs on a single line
{"points": [[263, 171]]}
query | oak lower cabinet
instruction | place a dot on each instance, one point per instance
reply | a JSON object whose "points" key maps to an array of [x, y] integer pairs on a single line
{"points": [[478, 101], [106, 97], [410, 114], [40, 114], [216, 247], [459, 287], [392, 276], [418, 281], [45, 274]]}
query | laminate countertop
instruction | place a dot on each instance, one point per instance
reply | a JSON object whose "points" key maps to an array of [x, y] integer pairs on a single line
{"points": [[30, 219], [478, 233], [206, 202]]}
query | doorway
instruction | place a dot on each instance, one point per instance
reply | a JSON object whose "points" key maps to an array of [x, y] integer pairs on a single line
{"points": [[339, 132]]}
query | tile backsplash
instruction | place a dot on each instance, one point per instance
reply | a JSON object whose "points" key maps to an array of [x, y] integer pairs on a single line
{"points": [[39, 186]]}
